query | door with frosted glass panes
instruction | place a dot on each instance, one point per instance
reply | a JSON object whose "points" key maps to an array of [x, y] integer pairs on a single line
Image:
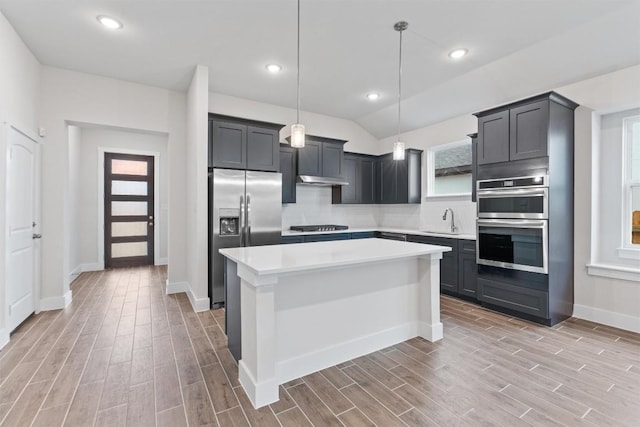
{"points": [[128, 210]]}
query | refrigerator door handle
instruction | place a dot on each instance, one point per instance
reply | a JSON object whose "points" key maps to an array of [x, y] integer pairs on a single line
{"points": [[248, 221], [241, 221]]}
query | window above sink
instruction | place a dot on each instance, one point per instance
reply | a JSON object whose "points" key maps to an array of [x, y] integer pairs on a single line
{"points": [[449, 170]]}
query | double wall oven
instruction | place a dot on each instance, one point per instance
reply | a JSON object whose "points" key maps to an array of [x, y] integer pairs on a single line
{"points": [[513, 223]]}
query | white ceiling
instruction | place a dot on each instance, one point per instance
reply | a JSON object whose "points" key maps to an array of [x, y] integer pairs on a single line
{"points": [[517, 48]]}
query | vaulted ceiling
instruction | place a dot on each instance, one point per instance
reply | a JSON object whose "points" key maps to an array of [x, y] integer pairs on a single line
{"points": [[516, 48]]}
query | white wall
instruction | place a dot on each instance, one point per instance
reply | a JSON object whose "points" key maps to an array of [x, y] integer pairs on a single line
{"points": [[197, 231], [605, 300], [19, 91], [84, 98], [84, 172], [74, 218], [359, 140]]}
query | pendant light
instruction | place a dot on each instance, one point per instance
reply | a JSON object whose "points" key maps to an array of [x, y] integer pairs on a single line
{"points": [[297, 129], [398, 147]]}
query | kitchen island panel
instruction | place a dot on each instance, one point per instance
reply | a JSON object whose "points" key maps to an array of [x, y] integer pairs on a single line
{"points": [[298, 321]]}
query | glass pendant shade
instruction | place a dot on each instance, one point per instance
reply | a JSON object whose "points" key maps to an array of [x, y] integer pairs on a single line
{"points": [[297, 135], [398, 150]]}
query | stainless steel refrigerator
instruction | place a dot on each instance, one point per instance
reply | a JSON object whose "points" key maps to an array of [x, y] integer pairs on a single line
{"points": [[245, 209]]}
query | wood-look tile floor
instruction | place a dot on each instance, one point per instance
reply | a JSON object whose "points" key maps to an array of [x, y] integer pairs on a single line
{"points": [[124, 353]]}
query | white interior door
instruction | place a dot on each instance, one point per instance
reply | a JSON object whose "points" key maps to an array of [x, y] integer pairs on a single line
{"points": [[21, 164]]}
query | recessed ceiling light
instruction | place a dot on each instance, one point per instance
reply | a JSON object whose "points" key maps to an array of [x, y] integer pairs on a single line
{"points": [[111, 23], [273, 68], [373, 96], [458, 53]]}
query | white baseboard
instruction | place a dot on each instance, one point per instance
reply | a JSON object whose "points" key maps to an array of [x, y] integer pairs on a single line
{"points": [[56, 303], [198, 304], [94, 266], [162, 261], [609, 318], [174, 288], [299, 366], [81, 268], [75, 273], [4, 337]]}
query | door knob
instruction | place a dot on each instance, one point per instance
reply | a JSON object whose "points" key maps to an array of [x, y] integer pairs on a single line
{"points": [[150, 224], [37, 236]]}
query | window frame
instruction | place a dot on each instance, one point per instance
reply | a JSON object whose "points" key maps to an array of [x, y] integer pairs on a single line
{"points": [[627, 249], [431, 170]]}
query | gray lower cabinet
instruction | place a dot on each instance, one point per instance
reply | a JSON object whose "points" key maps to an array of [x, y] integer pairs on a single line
{"points": [[458, 269], [307, 238]]}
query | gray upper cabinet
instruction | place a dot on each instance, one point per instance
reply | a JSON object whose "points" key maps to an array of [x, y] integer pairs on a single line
{"points": [[359, 171], [528, 126], [310, 158], [288, 171], [236, 143], [332, 157], [474, 164], [521, 131], [263, 149], [493, 138], [227, 145], [399, 181], [367, 180], [321, 157]]}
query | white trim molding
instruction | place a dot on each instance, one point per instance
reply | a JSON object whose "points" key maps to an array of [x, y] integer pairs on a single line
{"points": [[175, 288], [156, 201], [82, 268], [56, 303], [198, 304], [605, 317], [162, 261], [614, 272], [629, 253], [4, 337]]}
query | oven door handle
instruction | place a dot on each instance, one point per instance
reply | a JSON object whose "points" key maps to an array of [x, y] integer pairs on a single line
{"points": [[524, 192], [522, 223]]}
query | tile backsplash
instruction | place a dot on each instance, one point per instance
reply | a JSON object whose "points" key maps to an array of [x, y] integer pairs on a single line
{"points": [[313, 206]]}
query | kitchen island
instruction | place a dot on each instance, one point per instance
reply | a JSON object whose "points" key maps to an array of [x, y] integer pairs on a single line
{"points": [[299, 308]]}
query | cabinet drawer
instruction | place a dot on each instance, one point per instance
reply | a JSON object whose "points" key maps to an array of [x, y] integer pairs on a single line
{"points": [[363, 235], [468, 246], [516, 298], [326, 237], [291, 239]]}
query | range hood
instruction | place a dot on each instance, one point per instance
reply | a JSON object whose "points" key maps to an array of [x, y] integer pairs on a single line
{"points": [[320, 180]]}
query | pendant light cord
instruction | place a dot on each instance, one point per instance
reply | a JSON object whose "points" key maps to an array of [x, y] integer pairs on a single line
{"points": [[399, 83], [298, 67]]}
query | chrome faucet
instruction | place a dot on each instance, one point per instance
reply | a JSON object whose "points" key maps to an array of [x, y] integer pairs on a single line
{"points": [[453, 224]]}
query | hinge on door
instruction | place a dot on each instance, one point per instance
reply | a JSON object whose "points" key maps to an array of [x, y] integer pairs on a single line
{"points": [[33, 224]]}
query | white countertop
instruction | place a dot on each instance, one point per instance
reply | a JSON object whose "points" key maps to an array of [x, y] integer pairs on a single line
{"points": [[383, 229], [277, 259]]}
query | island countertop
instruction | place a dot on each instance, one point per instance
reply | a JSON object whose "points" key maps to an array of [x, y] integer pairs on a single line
{"points": [[279, 259]]}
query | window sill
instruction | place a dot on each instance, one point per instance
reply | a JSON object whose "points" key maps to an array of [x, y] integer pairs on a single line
{"points": [[456, 196], [629, 253], [614, 272]]}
